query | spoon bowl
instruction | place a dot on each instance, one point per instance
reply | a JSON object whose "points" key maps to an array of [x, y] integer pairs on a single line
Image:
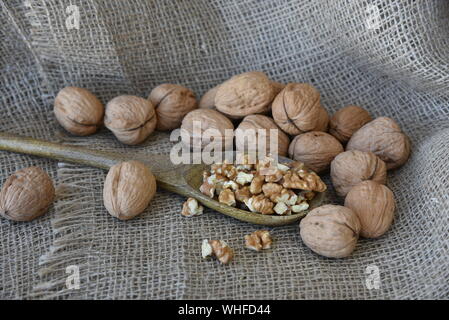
{"points": [[182, 179]]}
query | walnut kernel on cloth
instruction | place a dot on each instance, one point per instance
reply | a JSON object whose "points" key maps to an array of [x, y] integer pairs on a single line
{"points": [[258, 240], [218, 249], [26, 194], [78, 111], [192, 208]]}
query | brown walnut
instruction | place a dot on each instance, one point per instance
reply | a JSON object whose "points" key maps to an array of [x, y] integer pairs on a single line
{"points": [[247, 133], [26, 195], [245, 94], [297, 109], [128, 189], [214, 129], [315, 149], [78, 111], [172, 103], [385, 139], [208, 99], [348, 120], [352, 167], [374, 204], [331, 231], [131, 119]]}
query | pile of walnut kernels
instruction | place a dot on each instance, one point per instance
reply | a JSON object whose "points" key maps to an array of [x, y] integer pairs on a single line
{"points": [[357, 150]]}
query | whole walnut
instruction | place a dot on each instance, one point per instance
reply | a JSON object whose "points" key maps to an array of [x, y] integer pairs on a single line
{"points": [[247, 134], [128, 189], [78, 111], [352, 167], [374, 204], [316, 149], [348, 120], [245, 94], [331, 231], [131, 119], [208, 99], [207, 127], [297, 109], [172, 103], [385, 139], [26, 195]]}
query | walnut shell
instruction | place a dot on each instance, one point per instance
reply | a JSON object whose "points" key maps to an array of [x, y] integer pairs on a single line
{"points": [[245, 94], [331, 231], [374, 204], [348, 120], [172, 103], [297, 109], [315, 149], [128, 189], [251, 125], [208, 99], [131, 119], [26, 195], [385, 139], [78, 111], [214, 129], [352, 167]]}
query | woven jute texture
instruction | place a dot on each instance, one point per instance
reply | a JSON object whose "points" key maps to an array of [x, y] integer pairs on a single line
{"points": [[390, 57]]}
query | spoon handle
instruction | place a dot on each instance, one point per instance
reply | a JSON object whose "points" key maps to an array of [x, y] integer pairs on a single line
{"points": [[56, 151]]}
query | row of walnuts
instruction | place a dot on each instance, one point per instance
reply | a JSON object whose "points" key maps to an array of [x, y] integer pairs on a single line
{"points": [[252, 101]]}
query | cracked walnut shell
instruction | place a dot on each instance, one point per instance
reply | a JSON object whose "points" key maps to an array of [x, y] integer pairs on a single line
{"points": [[128, 189], [255, 127], [374, 204], [207, 127], [347, 121], [26, 195], [245, 94], [78, 111], [258, 240], [331, 231], [315, 149], [297, 109], [352, 167], [131, 119], [385, 139], [172, 103]]}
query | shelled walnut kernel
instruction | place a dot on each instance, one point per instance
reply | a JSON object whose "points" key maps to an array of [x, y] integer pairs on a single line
{"points": [[218, 249], [258, 240], [263, 187]]}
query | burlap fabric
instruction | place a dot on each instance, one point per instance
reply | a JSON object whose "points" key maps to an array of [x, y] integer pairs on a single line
{"points": [[394, 63]]}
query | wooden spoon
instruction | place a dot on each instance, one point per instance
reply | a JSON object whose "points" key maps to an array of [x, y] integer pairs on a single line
{"points": [[181, 179]]}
